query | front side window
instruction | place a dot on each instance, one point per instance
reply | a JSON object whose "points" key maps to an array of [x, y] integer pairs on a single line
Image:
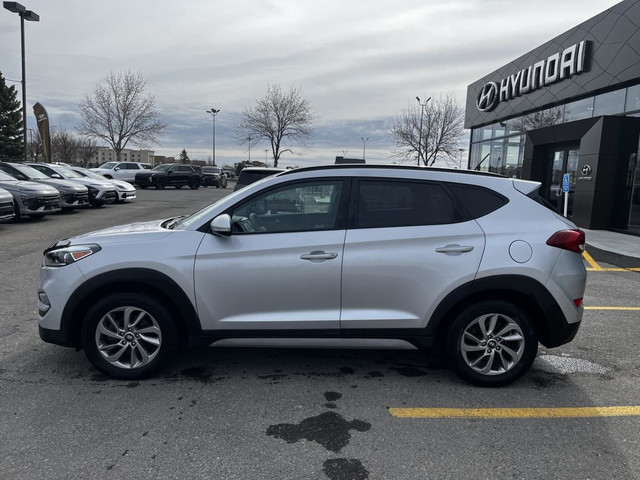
{"points": [[298, 207], [402, 204]]}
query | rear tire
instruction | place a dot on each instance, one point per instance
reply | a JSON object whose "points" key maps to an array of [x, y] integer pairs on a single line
{"points": [[160, 184], [492, 343], [129, 335], [194, 184]]}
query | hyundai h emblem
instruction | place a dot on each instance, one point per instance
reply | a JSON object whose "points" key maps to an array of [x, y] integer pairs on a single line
{"points": [[488, 97]]}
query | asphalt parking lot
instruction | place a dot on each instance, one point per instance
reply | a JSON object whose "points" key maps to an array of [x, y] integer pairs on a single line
{"points": [[309, 411]]}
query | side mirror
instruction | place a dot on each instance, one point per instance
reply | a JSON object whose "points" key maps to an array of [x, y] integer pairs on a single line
{"points": [[221, 225], [116, 169], [56, 175]]}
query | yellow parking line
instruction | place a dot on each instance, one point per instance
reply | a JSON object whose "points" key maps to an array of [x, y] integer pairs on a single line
{"points": [[601, 269], [591, 261], [490, 413], [631, 309]]}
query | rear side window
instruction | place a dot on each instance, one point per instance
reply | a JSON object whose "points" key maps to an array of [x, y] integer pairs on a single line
{"points": [[403, 204], [477, 201]]}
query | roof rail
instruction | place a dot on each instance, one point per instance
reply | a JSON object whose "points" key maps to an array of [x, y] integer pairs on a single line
{"points": [[388, 167]]}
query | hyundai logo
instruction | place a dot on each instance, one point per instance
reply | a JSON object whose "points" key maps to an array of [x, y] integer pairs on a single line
{"points": [[586, 170], [488, 97]]}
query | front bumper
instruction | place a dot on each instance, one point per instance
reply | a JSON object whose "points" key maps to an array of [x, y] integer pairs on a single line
{"points": [[73, 200], [40, 205]]}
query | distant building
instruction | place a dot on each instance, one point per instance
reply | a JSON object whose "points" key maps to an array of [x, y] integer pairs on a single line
{"points": [[104, 155], [341, 160]]}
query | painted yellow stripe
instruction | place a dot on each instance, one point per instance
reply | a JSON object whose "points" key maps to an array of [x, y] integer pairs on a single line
{"points": [[601, 269], [630, 309], [490, 413], [591, 261]]}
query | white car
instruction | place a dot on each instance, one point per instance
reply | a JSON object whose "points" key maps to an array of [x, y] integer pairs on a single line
{"points": [[100, 191], [470, 264], [125, 190], [121, 170]]}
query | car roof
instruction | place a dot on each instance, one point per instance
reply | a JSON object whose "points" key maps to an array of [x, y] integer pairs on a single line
{"points": [[262, 169], [356, 166]]}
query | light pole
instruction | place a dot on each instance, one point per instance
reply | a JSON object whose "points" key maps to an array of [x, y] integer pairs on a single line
{"points": [[214, 113], [249, 142], [422, 105], [30, 16], [266, 163], [364, 146], [460, 150]]}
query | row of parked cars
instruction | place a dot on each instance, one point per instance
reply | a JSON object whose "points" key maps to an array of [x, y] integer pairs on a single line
{"points": [[38, 189], [166, 175]]}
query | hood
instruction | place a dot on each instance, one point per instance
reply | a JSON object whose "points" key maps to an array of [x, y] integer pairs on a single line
{"points": [[122, 184], [132, 232], [22, 186], [106, 184], [63, 185], [5, 196]]}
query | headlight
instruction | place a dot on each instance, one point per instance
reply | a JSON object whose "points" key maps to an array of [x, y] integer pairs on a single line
{"points": [[24, 199], [92, 190], [68, 255]]}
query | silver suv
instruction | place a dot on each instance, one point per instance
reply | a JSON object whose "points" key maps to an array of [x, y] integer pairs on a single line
{"points": [[470, 264]]}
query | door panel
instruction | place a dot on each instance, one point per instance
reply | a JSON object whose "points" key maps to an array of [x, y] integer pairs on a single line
{"points": [[563, 160], [395, 277]]}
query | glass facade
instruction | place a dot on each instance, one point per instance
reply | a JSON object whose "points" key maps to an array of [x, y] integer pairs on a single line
{"points": [[499, 148]]}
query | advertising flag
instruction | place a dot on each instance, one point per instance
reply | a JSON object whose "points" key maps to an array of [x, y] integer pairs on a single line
{"points": [[43, 127]]}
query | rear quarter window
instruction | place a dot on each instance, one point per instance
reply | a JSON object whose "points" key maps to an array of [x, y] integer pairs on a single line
{"points": [[478, 201]]}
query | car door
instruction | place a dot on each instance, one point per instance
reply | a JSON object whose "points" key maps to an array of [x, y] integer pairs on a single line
{"points": [[280, 267], [406, 248]]}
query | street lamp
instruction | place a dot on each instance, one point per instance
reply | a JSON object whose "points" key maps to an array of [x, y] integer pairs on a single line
{"points": [[460, 150], [30, 16], [422, 105], [249, 142], [364, 146], [213, 112]]}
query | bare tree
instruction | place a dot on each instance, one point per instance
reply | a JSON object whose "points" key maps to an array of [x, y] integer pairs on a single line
{"points": [[544, 118], [439, 130], [87, 148], [282, 118], [35, 149], [64, 146], [118, 112]]}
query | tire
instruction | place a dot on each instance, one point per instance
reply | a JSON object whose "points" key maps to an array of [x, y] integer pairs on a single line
{"points": [[143, 187], [492, 343], [129, 335], [178, 187], [194, 184], [16, 211], [160, 184]]}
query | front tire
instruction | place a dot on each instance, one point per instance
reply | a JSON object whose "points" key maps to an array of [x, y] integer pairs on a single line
{"points": [[492, 343], [129, 335], [194, 184]]}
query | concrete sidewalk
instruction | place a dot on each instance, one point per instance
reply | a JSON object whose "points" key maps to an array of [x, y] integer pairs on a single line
{"points": [[619, 243]]}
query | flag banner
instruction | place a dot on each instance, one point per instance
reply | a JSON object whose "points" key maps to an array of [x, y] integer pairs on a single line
{"points": [[43, 127]]}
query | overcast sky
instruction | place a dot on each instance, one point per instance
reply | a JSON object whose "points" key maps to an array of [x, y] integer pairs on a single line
{"points": [[359, 63]]}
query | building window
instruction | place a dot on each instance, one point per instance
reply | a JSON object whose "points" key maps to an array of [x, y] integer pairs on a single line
{"points": [[609, 103], [633, 99], [578, 110]]}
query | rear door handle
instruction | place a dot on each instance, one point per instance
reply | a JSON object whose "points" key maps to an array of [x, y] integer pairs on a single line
{"points": [[454, 249], [318, 256]]}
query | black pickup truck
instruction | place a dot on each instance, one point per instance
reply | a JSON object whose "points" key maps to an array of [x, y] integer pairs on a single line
{"points": [[170, 175]]}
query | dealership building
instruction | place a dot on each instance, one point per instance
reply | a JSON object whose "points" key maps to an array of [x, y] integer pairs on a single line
{"points": [[567, 114]]}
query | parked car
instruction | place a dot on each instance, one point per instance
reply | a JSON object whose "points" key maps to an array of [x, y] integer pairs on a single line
{"points": [[100, 191], [124, 190], [6, 205], [215, 177], [249, 175], [231, 173], [72, 195], [32, 199], [170, 175], [121, 170], [465, 262]]}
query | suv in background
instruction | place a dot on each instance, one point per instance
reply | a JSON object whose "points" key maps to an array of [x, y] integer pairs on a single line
{"points": [[249, 175], [170, 175], [32, 199], [467, 263], [72, 195], [215, 177], [6, 205], [121, 170]]}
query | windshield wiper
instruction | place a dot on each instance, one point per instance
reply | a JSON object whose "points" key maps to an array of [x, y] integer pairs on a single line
{"points": [[173, 223]]}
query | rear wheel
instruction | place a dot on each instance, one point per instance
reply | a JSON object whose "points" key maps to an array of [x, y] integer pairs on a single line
{"points": [[492, 343], [129, 335], [194, 183], [160, 183]]}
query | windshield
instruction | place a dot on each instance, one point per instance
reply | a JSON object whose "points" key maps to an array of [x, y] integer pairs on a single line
{"points": [[66, 172], [89, 173], [108, 165], [211, 169], [31, 172], [6, 176], [162, 168], [202, 215]]}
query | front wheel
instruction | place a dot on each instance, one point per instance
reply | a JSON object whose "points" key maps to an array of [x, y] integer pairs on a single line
{"points": [[160, 184], [128, 335], [492, 343], [194, 184]]}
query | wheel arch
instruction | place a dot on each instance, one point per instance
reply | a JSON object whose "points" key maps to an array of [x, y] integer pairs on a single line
{"points": [[530, 295], [138, 280]]}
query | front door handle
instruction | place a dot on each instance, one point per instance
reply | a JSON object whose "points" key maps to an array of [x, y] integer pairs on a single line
{"points": [[454, 249], [319, 255]]}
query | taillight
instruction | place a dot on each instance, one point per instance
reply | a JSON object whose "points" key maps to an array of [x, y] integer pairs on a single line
{"points": [[572, 240]]}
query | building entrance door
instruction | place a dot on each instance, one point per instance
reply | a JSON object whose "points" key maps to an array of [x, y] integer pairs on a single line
{"points": [[633, 181], [563, 160]]}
